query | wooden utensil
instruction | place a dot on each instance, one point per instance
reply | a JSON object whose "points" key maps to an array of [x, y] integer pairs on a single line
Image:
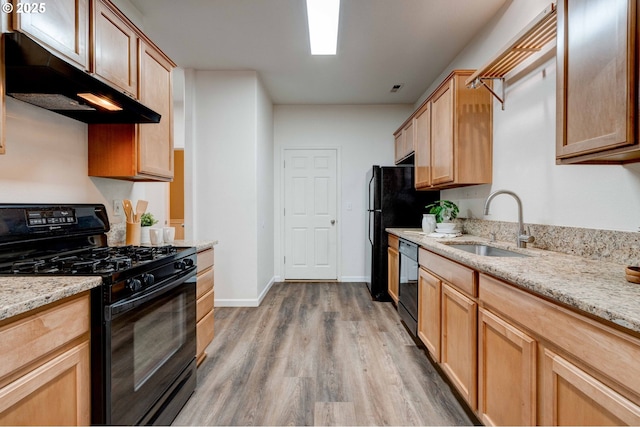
{"points": [[141, 207], [128, 210]]}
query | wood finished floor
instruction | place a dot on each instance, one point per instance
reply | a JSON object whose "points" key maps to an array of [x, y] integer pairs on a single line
{"points": [[317, 354]]}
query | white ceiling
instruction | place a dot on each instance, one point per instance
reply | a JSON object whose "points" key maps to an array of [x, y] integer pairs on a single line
{"points": [[380, 43]]}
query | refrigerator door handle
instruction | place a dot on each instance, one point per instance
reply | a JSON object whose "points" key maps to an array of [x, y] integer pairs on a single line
{"points": [[369, 231]]}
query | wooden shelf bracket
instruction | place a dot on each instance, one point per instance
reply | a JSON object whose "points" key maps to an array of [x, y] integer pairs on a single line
{"points": [[540, 31]]}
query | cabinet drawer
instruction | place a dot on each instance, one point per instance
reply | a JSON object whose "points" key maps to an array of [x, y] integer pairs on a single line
{"points": [[27, 339], [394, 242], [458, 275], [205, 260], [204, 305], [612, 353], [204, 283], [204, 332]]}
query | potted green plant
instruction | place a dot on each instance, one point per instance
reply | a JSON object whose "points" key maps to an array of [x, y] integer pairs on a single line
{"points": [[444, 210]]}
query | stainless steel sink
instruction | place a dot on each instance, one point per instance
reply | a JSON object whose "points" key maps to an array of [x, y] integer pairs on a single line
{"points": [[485, 250]]}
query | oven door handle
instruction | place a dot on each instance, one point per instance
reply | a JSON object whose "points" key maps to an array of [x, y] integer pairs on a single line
{"points": [[112, 311]]}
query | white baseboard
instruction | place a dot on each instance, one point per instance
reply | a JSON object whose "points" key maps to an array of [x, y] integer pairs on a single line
{"points": [[353, 279], [252, 302]]}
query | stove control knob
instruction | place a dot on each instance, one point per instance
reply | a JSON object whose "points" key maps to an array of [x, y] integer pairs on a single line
{"points": [[180, 265], [188, 262], [147, 279], [134, 285]]}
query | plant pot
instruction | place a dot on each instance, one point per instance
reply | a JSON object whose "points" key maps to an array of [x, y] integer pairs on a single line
{"points": [[144, 235]]}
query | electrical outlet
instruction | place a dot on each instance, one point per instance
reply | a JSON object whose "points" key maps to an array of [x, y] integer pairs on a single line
{"points": [[117, 208]]}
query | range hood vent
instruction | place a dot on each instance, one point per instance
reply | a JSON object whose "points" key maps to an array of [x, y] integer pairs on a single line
{"points": [[36, 76]]}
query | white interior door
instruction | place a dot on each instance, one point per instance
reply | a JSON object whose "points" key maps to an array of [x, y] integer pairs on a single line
{"points": [[310, 198]]}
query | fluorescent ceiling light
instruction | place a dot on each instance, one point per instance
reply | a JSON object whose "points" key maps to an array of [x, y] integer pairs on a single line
{"points": [[99, 101], [323, 17]]}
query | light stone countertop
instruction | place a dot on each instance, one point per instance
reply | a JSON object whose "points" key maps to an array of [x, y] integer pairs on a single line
{"points": [[19, 294], [595, 287]]}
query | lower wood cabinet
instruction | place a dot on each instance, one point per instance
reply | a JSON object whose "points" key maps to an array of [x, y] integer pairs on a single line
{"points": [[393, 268], [572, 396], [518, 359], [45, 376], [204, 303], [458, 355], [506, 373], [429, 288]]}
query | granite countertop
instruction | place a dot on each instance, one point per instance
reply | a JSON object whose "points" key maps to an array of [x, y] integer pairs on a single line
{"points": [[595, 287], [19, 294]]}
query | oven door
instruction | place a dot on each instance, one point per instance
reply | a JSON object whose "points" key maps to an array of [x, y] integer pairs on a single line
{"points": [[151, 340]]}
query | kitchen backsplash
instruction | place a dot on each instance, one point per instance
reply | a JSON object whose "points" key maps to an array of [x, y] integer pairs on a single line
{"points": [[606, 245]]}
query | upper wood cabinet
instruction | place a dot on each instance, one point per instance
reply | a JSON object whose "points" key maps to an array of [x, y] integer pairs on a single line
{"points": [[597, 82], [115, 48], [139, 152], [422, 143], [63, 27], [404, 140], [452, 135]]}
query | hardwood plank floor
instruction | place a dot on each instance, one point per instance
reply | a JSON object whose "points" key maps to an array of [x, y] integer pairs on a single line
{"points": [[317, 354]]}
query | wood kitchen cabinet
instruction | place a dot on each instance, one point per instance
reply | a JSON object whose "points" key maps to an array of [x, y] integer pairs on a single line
{"points": [[404, 141], [506, 373], [393, 268], [571, 396], [204, 303], [597, 82], [456, 350], [429, 291], [45, 374], [461, 133], [587, 372], [62, 27], [139, 152], [115, 48], [458, 353], [452, 136], [422, 143]]}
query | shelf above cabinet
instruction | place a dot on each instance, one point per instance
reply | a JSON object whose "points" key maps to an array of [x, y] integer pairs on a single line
{"points": [[532, 39]]}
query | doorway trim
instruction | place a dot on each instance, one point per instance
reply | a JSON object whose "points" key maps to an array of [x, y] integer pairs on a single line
{"points": [[280, 215]]}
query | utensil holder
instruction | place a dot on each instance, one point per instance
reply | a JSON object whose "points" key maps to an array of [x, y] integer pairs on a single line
{"points": [[133, 233]]}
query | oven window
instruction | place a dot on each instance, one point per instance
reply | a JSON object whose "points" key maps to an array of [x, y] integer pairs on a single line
{"points": [[157, 336]]}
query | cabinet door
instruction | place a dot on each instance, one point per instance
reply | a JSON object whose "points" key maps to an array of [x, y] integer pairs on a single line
{"points": [[458, 341], [506, 373], [429, 312], [571, 396], [442, 122], [422, 132], [408, 139], [115, 53], [63, 26], [55, 393], [393, 260], [398, 146], [155, 139], [596, 77]]}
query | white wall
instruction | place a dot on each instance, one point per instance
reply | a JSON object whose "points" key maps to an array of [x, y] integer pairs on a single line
{"points": [[46, 161], [602, 196], [232, 134], [363, 135]]}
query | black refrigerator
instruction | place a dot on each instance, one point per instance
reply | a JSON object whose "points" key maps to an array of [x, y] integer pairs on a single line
{"points": [[393, 203]]}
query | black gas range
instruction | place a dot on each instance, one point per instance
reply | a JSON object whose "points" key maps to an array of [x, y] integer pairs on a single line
{"points": [[143, 340]]}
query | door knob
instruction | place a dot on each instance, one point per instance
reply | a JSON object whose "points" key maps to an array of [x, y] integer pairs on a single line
{"points": [[333, 221]]}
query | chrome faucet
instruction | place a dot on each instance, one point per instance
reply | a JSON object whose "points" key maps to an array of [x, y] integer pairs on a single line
{"points": [[523, 236]]}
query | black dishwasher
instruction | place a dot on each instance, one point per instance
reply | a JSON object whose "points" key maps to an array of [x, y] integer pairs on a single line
{"points": [[408, 292]]}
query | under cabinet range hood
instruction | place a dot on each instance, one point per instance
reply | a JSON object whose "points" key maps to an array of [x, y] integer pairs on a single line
{"points": [[35, 75]]}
